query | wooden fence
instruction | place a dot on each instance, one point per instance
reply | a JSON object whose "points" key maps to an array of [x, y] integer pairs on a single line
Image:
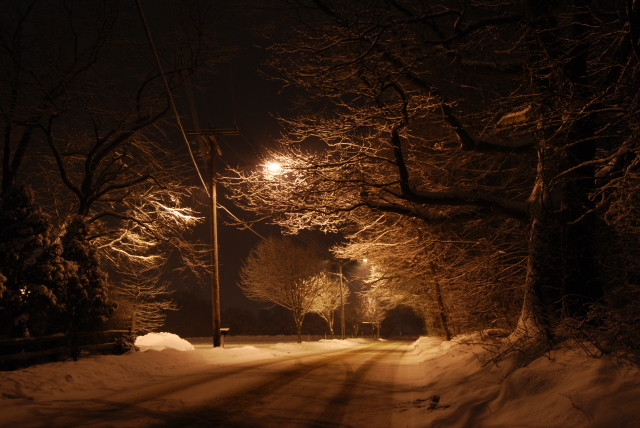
{"points": [[31, 350]]}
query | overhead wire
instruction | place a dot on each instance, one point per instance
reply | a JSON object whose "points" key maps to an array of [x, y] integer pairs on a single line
{"points": [[169, 95], [233, 95], [196, 121], [309, 240], [230, 146], [250, 144], [313, 243]]}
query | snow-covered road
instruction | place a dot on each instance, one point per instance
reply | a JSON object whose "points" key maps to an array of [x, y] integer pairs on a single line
{"points": [[345, 387], [330, 383]]}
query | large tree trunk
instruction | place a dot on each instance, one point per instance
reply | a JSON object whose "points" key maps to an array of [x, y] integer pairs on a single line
{"points": [[298, 318], [562, 273], [582, 283], [532, 329]]}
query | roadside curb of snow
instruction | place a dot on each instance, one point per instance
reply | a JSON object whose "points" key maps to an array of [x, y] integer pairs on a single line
{"points": [[563, 388], [427, 348], [157, 358]]}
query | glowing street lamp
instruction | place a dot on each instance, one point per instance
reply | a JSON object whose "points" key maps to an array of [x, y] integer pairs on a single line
{"points": [[274, 168]]}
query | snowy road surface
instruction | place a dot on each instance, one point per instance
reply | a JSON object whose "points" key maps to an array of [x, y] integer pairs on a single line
{"points": [[333, 388], [428, 383]]}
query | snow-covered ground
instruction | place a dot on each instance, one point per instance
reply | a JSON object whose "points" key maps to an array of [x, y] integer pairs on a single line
{"points": [[565, 388], [443, 384], [160, 354]]}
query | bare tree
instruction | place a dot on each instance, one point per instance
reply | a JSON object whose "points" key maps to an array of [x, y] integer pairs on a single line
{"points": [[280, 272], [330, 297], [81, 82], [374, 305], [449, 112], [111, 148], [143, 303]]}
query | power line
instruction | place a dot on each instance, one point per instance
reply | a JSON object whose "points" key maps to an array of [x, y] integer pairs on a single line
{"points": [[251, 145], [191, 100], [239, 221], [169, 95], [233, 95]]}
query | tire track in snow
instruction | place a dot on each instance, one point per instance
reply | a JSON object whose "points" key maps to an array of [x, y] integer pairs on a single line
{"points": [[151, 404], [272, 406], [337, 408], [235, 411]]}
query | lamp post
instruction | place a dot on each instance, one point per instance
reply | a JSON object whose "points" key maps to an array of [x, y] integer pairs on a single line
{"points": [[342, 324]]}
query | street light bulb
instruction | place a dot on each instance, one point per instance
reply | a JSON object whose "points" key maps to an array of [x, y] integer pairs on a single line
{"points": [[274, 168], [365, 260]]}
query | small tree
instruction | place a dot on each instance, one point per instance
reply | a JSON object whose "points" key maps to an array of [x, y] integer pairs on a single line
{"points": [[280, 272], [380, 297], [329, 298], [372, 310]]}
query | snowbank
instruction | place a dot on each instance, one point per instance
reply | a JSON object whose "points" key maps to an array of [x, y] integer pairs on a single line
{"points": [[161, 355], [160, 341], [565, 388]]}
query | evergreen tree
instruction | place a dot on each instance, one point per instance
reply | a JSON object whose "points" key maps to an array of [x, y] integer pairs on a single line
{"points": [[49, 276], [24, 231]]}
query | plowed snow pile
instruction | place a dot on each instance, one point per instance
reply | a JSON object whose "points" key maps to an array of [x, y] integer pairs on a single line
{"points": [[565, 388]]}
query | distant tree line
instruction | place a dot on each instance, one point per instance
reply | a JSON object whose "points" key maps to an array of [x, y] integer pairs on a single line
{"points": [[275, 321], [297, 279], [397, 323]]}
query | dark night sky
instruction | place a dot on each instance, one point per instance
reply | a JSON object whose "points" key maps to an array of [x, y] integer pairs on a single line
{"points": [[242, 92]]}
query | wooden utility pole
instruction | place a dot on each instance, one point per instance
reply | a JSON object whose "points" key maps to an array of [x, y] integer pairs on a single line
{"points": [[342, 326], [214, 149], [215, 277]]}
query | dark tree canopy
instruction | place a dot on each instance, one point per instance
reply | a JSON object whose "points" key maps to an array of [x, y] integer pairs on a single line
{"points": [[466, 115]]}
